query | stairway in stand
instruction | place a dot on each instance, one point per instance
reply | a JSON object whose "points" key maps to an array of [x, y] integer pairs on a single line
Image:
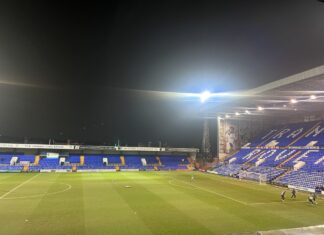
{"points": [[37, 158], [158, 160], [122, 160], [74, 168], [81, 160], [26, 168]]}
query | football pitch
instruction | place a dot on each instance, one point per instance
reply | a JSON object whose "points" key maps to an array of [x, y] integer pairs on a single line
{"points": [[145, 203]]}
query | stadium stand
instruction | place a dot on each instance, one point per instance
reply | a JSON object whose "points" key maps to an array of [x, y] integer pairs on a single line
{"points": [[74, 159], [290, 155], [26, 158], [174, 162], [133, 162], [91, 162], [5, 158], [114, 159], [228, 170]]}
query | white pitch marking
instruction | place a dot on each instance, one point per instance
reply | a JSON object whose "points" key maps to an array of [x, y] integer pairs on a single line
{"points": [[230, 198], [209, 191], [279, 202], [41, 195], [18, 186]]}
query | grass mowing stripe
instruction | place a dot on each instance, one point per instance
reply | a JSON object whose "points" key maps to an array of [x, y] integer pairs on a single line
{"points": [[99, 203], [252, 185], [210, 191], [18, 186], [15, 214], [158, 214], [253, 215], [203, 208], [110, 213], [59, 214]]}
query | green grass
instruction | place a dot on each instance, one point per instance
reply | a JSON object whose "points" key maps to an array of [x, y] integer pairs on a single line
{"points": [[156, 203]]}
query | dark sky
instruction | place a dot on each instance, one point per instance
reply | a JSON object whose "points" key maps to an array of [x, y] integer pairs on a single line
{"points": [[68, 59]]}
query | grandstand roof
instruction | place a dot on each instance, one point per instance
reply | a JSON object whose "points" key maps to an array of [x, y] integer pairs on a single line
{"points": [[299, 93]]}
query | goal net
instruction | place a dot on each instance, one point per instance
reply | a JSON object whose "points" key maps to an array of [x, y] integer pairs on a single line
{"points": [[261, 178]]}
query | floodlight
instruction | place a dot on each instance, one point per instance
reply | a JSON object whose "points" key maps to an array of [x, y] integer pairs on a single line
{"points": [[260, 108], [237, 113], [313, 97], [247, 112], [204, 96], [293, 101]]}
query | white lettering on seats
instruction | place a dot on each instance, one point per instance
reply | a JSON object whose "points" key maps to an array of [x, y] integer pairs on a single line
{"points": [[251, 154], [319, 160], [315, 132], [267, 154], [305, 155], [284, 154], [295, 133], [281, 133]]}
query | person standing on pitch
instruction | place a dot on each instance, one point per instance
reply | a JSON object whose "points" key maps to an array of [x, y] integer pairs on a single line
{"points": [[293, 193], [312, 199], [282, 195]]}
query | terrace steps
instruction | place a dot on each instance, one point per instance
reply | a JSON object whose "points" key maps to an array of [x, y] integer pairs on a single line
{"points": [[74, 168], [81, 160], [26, 168], [158, 160], [122, 160], [36, 161]]}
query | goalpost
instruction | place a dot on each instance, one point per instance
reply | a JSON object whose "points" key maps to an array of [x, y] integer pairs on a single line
{"points": [[261, 178]]}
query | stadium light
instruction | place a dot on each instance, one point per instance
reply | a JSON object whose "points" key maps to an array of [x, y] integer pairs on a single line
{"points": [[237, 113], [247, 112], [260, 108], [313, 97], [293, 101], [204, 96]]}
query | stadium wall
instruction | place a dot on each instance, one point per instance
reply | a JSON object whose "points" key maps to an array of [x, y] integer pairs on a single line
{"points": [[234, 133]]}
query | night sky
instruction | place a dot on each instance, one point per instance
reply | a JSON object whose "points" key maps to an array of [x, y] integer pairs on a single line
{"points": [[69, 71]]}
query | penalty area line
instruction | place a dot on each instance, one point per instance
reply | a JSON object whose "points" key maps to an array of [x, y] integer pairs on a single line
{"points": [[18, 186], [209, 191], [278, 202]]}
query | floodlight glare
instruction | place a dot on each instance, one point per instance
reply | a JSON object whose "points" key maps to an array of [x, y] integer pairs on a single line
{"points": [[247, 111], [227, 116], [260, 108], [293, 101], [313, 97], [237, 113], [204, 96]]}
